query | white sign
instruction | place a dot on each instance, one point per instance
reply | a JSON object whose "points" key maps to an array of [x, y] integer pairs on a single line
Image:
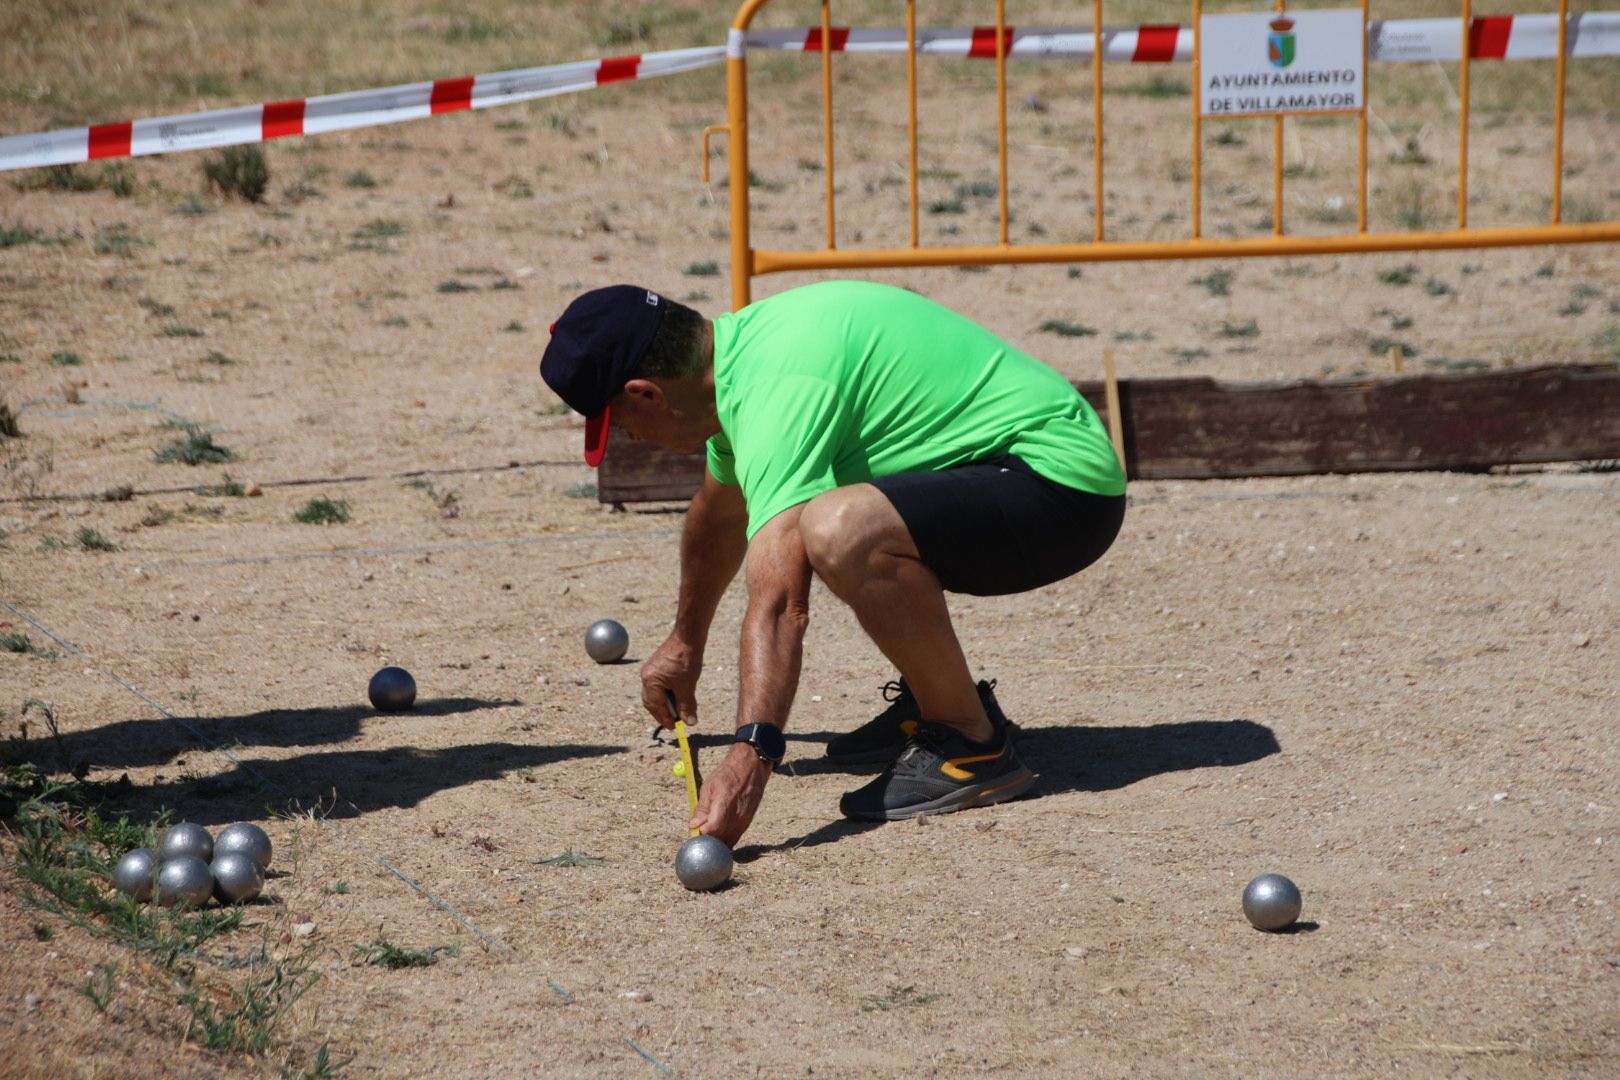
{"points": [[1266, 62]]}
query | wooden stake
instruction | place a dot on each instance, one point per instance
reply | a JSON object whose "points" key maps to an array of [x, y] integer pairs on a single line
{"points": [[1116, 422], [1396, 357]]}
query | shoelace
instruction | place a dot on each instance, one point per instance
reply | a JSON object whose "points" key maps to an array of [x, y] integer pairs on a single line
{"points": [[922, 746]]}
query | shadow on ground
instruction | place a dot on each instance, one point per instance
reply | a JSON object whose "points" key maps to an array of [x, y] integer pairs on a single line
{"points": [[347, 783], [127, 744]]}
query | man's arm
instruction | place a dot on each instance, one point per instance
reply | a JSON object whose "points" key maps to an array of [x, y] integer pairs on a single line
{"points": [[769, 660], [713, 543]]}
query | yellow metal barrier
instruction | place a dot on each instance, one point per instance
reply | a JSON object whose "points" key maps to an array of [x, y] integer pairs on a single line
{"points": [[747, 262]]}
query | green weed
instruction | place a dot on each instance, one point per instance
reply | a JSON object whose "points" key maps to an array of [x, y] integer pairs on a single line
{"points": [[66, 359], [1185, 357], [91, 540], [100, 994], [118, 239], [323, 1065], [513, 327], [323, 511], [378, 229], [1247, 329], [947, 206], [256, 1008], [1160, 86], [239, 172], [226, 488], [179, 330], [383, 953], [1064, 328], [1381, 346], [196, 447], [214, 356], [1400, 275], [586, 490], [454, 286], [1218, 281], [16, 642], [1435, 287], [360, 178], [901, 997], [702, 269]]}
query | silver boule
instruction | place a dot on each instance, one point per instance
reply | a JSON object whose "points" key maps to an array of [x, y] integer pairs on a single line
{"points": [[1271, 902], [186, 838], [703, 863], [184, 880], [606, 641], [133, 873], [247, 838], [236, 877], [392, 690]]}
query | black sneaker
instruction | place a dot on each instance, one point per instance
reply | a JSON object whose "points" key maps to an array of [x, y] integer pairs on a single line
{"points": [[880, 740], [938, 772]]}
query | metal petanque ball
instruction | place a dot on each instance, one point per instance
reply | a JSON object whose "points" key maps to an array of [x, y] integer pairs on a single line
{"points": [[606, 641], [1271, 902], [236, 877], [132, 875], [184, 879], [186, 838], [703, 863], [392, 690], [246, 838]]}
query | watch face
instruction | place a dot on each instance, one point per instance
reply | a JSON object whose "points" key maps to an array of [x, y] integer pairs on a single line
{"points": [[768, 741]]}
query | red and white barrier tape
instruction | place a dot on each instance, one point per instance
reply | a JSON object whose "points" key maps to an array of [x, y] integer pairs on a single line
{"points": [[1500, 37], [1504, 37], [338, 112]]}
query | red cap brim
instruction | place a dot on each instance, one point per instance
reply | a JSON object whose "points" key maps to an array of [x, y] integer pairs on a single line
{"points": [[596, 437]]}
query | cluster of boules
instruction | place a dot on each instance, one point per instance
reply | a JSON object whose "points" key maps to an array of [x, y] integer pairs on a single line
{"points": [[190, 867]]}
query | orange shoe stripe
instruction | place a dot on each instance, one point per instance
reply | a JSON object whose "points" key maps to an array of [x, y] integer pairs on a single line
{"points": [[952, 767]]}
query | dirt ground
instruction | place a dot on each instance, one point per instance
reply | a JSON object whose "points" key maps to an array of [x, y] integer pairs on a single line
{"points": [[1399, 690]]}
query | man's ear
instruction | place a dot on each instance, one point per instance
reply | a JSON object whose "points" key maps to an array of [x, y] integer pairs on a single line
{"points": [[644, 391]]}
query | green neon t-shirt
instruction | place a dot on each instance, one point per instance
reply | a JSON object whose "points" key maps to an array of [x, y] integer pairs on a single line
{"points": [[844, 381]]}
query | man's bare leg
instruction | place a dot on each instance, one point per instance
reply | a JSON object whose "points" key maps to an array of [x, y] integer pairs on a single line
{"points": [[860, 547]]}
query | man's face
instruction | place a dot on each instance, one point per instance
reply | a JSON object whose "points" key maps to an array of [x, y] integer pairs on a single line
{"points": [[648, 415]]}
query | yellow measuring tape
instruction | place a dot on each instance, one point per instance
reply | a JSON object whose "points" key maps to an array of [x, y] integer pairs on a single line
{"points": [[688, 767]]}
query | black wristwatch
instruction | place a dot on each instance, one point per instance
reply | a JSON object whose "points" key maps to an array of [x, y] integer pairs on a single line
{"points": [[766, 740]]}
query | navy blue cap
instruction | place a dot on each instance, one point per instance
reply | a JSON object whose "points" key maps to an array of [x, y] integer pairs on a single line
{"points": [[595, 348]]}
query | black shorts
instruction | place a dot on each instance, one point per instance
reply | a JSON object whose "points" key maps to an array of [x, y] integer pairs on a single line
{"points": [[997, 526]]}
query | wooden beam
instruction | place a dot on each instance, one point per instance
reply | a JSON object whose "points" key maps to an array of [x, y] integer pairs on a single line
{"points": [[1198, 428]]}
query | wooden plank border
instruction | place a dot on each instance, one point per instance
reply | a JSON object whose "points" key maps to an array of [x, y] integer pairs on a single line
{"points": [[1198, 428]]}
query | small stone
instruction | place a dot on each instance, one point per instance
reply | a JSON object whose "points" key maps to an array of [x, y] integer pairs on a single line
{"points": [[31, 1000], [1077, 952], [253, 491], [1581, 641], [303, 929], [636, 995]]}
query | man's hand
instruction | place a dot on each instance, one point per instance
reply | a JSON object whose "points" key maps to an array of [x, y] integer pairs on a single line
{"points": [[731, 795], [673, 668]]}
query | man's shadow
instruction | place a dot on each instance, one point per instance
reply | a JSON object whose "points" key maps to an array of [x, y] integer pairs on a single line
{"points": [[345, 783], [128, 744], [1066, 759]]}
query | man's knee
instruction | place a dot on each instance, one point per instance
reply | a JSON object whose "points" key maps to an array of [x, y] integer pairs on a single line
{"points": [[829, 532]]}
